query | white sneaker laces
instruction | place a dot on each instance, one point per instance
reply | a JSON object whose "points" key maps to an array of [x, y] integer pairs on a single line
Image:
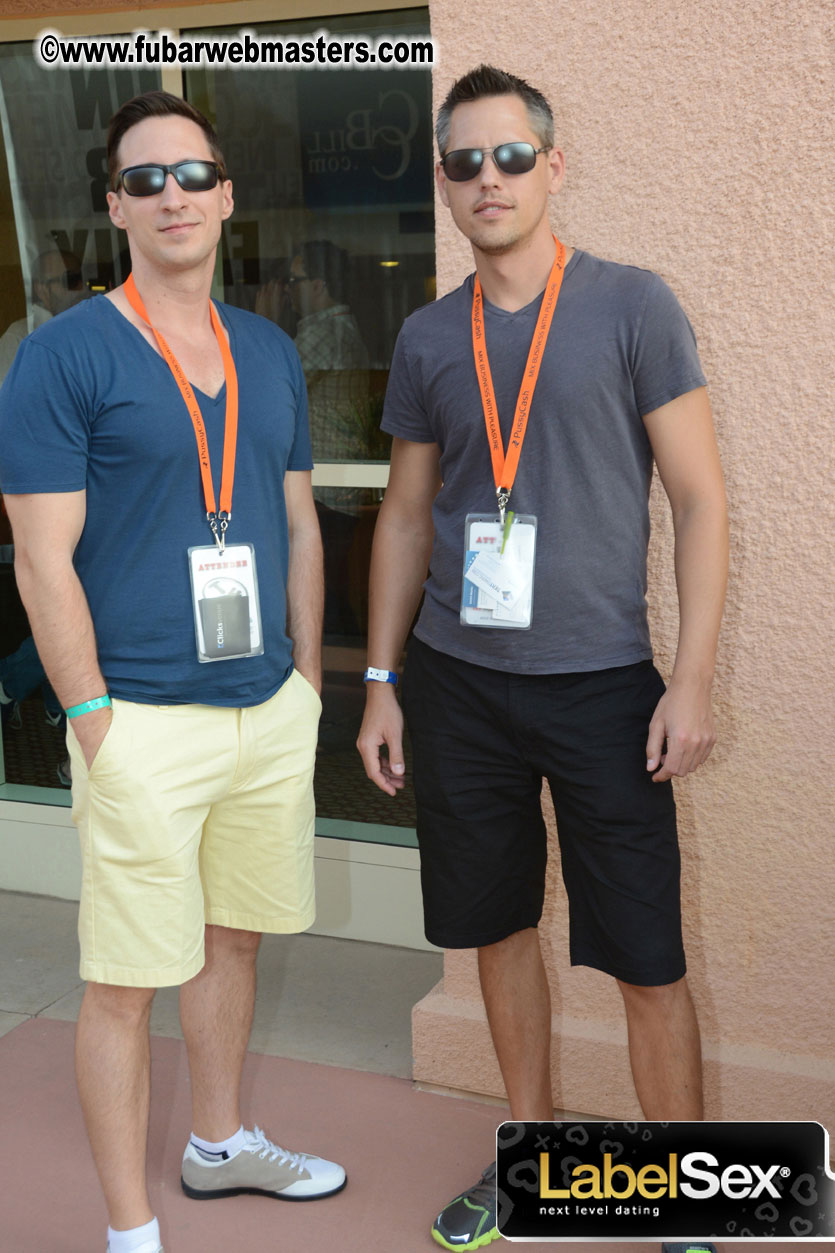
{"points": [[274, 1152]]}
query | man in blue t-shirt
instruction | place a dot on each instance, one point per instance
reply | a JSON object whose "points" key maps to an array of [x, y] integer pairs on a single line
{"points": [[525, 427], [156, 470]]}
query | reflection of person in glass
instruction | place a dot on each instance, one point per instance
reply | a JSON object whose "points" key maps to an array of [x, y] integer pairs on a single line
{"points": [[21, 673], [57, 284], [333, 355], [192, 783], [335, 363], [273, 299]]}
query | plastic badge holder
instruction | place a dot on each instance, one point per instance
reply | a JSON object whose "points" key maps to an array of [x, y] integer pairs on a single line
{"points": [[496, 585], [224, 589]]}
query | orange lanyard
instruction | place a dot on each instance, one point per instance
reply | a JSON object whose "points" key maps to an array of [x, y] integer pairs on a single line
{"points": [[506, 465], [218, 521]]}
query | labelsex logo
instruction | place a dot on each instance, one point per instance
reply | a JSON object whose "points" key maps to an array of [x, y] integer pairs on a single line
{"points": [[589, 1182]]}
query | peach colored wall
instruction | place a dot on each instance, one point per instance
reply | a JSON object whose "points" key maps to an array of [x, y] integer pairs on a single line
{"points": [[699, 143]]}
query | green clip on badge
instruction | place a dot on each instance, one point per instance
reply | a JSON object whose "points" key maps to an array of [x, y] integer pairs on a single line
{"points": [[507, 525]]}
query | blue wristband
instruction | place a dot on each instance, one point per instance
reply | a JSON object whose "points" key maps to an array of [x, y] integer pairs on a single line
{"points": [[101, 702], [374, 675]]}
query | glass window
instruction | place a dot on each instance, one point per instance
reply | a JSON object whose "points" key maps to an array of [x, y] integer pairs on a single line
{"points": [[333, 231], [333, 238], [57, 246]]}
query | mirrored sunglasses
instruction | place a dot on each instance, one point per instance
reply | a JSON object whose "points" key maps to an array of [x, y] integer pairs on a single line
{"points": [[149, 180], [464, 163]]}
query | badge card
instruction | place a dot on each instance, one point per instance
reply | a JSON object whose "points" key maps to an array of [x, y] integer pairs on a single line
{"points": [[498, 577], [227, 614]]}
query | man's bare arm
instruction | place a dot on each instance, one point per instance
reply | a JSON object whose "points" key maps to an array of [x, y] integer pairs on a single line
{"points": [[305, 581], [399, 562], [684, 444], [46, 529]]}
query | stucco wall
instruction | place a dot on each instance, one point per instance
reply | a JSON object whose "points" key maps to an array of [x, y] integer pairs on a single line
{"points": [[698, 139]]}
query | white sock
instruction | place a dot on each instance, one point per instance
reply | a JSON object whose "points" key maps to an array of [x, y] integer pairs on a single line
{"points": [[220, 1150], [144, 1238]]}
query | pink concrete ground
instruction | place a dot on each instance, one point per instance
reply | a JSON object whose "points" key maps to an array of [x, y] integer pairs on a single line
{"points": [[404, 1150]]}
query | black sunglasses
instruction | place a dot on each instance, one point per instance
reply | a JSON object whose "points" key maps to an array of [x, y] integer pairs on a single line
{"points": [[464, 163], [149, 180]]}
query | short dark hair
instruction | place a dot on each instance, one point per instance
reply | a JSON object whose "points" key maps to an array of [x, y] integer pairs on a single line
{"points": [[325, 260], [155, 104], [485, 81]]}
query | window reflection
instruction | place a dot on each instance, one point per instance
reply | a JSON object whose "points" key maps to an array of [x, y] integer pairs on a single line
{"points": [[342, 790], [57, 284], [330, 345], [333, 239], [333, 231], [52, 188]]}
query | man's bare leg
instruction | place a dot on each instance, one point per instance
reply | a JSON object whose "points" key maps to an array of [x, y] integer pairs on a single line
{"points": [[518, 1005], [216, 1009], [665, 1050], [113, 1070]]}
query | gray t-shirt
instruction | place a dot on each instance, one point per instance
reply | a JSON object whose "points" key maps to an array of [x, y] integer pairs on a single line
{"points": [[619, 347]]}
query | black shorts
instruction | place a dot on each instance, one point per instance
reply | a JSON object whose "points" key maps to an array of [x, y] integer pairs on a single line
{"points": [[482, 742]]}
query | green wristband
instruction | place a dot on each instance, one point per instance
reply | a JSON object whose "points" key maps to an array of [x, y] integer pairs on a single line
{"points": [[101, 702]]}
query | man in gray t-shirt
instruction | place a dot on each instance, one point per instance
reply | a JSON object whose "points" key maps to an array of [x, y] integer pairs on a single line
{"points": [[531, 658], [620, 347]]}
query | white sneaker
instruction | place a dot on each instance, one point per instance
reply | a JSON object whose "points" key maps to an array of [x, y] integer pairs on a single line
{"points": [[263, 1168]]}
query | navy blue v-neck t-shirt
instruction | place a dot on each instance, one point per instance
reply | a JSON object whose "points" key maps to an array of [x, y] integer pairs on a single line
{"points": [[90, 405]]}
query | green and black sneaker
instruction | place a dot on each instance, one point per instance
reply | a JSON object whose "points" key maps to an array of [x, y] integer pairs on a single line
{"points": [[469, 1221]]}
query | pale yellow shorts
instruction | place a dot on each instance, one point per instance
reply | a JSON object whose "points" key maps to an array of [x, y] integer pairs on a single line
{"points": [[193, 814]]}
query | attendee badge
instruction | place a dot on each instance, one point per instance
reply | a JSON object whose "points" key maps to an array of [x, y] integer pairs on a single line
{"points": [[499, 552], [497, 588], [224, 590]]}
